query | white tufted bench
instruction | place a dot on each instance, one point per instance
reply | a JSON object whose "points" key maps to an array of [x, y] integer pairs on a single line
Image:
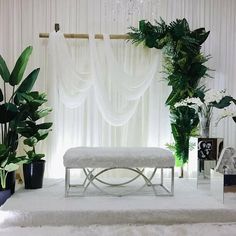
{"points": [[131, 158]]}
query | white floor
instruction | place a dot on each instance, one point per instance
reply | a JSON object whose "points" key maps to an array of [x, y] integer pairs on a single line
{"points": [[49, 207], [125, 230]]}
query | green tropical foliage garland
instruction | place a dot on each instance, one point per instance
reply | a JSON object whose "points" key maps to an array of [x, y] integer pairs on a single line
{"points": [[183, 68]]}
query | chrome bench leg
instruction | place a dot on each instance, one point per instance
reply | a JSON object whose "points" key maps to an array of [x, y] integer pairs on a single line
{"points": [[67, 181], [172, 180], [161, 176]]}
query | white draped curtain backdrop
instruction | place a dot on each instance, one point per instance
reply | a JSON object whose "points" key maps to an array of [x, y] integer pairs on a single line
{"points": [[22, 20]]}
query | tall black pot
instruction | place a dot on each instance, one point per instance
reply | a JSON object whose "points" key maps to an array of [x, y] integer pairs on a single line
{"points": [[10, 182], [33, 174]]}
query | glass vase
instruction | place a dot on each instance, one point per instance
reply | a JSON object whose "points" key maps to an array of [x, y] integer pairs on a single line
{"points": [[204, 126]]}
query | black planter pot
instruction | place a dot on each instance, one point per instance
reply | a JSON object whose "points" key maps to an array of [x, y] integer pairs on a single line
{"points": [[4, 195], [234, 118], [10, 182], [33, 174], [229, 180]]}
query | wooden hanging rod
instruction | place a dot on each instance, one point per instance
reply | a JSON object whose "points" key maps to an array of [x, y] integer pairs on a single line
{"points": [[85, 36]]}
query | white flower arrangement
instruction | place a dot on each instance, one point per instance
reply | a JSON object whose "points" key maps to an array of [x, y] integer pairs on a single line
{"points": [[226, 112], [204, 106], [211, 97]]}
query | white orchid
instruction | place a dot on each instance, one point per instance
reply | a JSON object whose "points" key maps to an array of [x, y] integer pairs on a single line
{"points": [[213, 95], [190, 102], [226, 112], [204, 106]]}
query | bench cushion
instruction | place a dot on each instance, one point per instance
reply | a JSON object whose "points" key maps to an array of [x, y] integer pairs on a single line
{"points": [[107, 157]]}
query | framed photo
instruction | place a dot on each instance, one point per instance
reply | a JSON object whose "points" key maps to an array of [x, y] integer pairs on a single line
{"points": [[209, 148]]}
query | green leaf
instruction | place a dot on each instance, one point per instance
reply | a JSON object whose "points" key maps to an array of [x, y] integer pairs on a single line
{"points": [[224, 102], [11, 167], [42, 134], [173, 98], [38, 156], [20, 66], [200, 35], [25, 131], [16, 159], [30, 141], [142, 25], [150, 41], [3, 149], [41, 113], [17, 99], [27, 128], [12, 140], [32, 156], [29, 81], [45, 125], [34, 99], [1, 95], [8, 112], [4, 72]]}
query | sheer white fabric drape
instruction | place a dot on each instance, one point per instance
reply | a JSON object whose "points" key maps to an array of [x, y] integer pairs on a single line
{"points": [[73, 86]]}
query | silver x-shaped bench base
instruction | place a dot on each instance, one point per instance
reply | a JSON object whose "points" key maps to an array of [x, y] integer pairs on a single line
{"points": [[91, 177]]}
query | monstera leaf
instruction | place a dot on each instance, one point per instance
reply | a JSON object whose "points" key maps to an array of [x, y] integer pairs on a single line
{"points": [[200, 35]]}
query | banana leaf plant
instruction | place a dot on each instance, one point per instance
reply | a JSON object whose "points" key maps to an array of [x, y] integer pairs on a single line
{"points": [[14, 110]]}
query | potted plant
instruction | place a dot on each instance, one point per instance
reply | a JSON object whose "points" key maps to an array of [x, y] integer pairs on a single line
{"points": [[11, 115], [33, 132], [8, 164]]}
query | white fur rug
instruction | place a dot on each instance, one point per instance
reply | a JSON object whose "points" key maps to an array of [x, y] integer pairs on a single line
{"points": [[125, 230], [48, 207]]}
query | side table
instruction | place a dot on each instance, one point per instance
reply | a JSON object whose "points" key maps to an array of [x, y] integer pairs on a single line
{"points": [[203, 156]]}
